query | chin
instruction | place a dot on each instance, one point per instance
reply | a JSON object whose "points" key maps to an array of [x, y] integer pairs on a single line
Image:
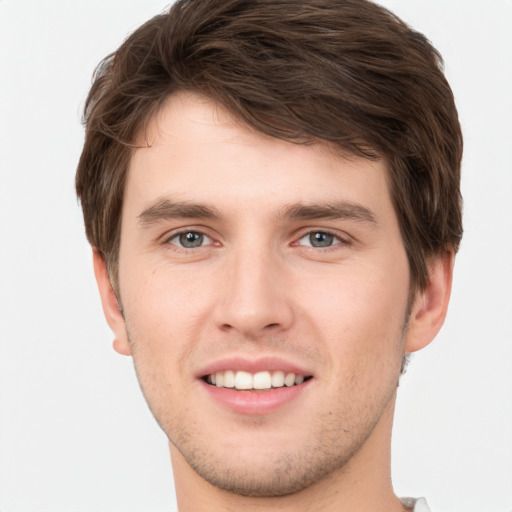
{"points": [[270, 472], [270, 482]]}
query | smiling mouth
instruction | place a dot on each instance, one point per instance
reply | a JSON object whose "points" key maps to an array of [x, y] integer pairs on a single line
{"points": [[265, 380]]}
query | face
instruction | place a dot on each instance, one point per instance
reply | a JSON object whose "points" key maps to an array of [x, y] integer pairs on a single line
{"points": [[264, 288]]}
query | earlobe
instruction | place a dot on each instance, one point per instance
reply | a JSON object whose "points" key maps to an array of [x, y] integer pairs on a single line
{"points": [[110, 305], [431, 304]]}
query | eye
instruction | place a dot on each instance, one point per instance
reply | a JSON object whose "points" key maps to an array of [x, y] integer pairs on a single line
{"points": [[190, 239], [320, 239]]}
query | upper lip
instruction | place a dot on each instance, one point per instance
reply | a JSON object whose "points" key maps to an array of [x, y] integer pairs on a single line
{"points": [[253, 365]]}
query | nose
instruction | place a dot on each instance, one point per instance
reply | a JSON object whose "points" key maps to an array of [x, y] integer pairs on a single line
{"points": [[255, 300]]}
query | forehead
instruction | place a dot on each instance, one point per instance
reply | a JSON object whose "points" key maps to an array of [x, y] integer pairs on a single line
{"points": [[193, 149]]}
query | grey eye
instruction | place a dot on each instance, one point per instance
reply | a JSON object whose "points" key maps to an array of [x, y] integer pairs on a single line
{"points": [[319, 239], [190, 240]]}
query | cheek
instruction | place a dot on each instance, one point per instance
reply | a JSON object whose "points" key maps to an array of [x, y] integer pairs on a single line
{"points": [[164, 299], [169, 314], [165, 312], [360, 315], [376, 296]]}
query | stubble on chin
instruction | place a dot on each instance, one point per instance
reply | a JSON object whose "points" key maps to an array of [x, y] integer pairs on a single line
{"points": [[333, 439], [329, 450]]}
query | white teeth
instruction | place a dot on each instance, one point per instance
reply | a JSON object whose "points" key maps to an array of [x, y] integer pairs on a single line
{"points": [[289, 380], [278, 379], [229, 379], [261, 380], [243, 380]]}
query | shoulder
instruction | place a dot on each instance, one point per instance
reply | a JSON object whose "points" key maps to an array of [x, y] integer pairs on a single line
{"points": [[416, 505]]}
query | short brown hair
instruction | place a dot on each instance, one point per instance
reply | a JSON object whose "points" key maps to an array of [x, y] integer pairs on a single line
{"points": [[344, 71]]}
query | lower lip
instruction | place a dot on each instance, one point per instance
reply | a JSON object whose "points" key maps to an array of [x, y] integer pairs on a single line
{"points": [[255, 402]]}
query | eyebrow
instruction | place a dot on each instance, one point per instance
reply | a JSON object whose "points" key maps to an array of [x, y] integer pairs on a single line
{"points": [[166, 209], [337, 210]]}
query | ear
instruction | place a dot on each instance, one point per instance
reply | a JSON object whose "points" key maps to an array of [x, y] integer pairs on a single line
{"points": [[110, 305], [431, 304]]}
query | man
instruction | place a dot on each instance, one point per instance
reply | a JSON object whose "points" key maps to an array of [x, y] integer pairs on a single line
{"points": [[271, 190]]}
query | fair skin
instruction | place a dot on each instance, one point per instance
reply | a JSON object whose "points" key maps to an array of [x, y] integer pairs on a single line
{"points": [[243, 253]]}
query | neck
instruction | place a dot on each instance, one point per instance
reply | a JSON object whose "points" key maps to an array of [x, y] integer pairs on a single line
{"points": [[362, 485]]}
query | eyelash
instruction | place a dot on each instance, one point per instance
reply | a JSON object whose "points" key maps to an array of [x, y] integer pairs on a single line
{"points": [[336, 239], [168, 240]]}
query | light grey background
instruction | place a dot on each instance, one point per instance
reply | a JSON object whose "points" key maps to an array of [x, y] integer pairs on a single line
{"points": [[75, 433]]}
